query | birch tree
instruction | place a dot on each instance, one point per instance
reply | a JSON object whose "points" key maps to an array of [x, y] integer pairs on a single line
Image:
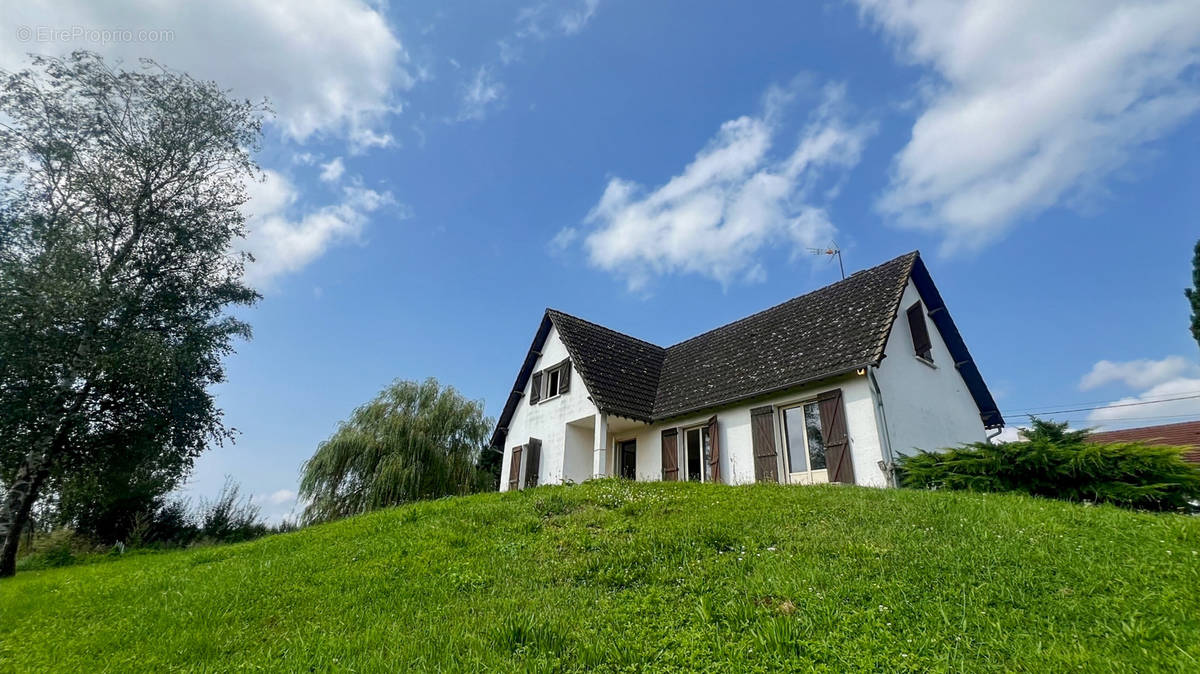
{"points": [[121, 194]]}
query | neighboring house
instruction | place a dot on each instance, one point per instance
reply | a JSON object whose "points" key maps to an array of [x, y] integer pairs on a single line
{"points": [[1186, 434], [828, 387]]}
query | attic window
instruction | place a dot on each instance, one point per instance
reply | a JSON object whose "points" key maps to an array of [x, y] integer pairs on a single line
{"points": [[551, 382], [922, 347]]}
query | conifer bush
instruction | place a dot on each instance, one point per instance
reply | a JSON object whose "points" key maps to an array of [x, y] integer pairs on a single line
{"points": [[1053, 462]]}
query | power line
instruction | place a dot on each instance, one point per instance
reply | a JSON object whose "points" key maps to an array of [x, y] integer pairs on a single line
{"points": [[1181, 417], [1109, 406], [1148, 399]]}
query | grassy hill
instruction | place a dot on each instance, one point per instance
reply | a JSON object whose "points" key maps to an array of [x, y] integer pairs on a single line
{"points": [[614, 575]]}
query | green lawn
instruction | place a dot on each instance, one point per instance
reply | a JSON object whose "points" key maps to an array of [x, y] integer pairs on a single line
{"points": [[618, 576]]}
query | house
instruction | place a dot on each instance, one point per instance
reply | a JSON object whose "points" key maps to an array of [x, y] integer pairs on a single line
{"points": [[827, 387], [1186, 434]]}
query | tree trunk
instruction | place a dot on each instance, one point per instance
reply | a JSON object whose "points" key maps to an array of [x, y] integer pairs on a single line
{"points": [[23, 492], [17, 504]]}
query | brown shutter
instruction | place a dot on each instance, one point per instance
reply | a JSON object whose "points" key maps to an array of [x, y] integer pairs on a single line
{"points": [[920, 332], [714, 462], [762, 434], [837, 441], [532, 463], [514, 470], [535, 389], [564, 378], [670, 455]]}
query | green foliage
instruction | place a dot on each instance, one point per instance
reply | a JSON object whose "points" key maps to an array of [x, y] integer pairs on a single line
{"points": [[121, 206], [1193, 293], [619, 576], [413, 441], [1053, 462]]}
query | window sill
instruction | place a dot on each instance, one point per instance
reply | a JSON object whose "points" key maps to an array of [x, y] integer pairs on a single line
{"points": [[556, 396], [927, 362]]}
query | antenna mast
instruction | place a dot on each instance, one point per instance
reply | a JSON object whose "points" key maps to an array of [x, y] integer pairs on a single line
{"points": [[831, 251]]}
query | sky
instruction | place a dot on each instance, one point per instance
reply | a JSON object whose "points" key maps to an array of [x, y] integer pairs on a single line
{"points": [[438, 173]]}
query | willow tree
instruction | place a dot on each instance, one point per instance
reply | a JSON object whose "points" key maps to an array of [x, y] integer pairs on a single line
{"points": [[121, 195], [413, 441]]}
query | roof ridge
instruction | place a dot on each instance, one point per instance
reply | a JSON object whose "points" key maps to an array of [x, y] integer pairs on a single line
{"points": [[552, 310], [913, 254]]}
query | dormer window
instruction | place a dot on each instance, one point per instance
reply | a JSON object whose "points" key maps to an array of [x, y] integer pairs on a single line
{"points": [[550, 383], [922, 346]]}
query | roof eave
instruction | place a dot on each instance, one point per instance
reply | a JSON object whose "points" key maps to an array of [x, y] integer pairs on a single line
{"points": [[733, 400]]}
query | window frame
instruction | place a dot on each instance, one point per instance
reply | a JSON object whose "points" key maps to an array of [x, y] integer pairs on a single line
{"points": [[809, 473], [683, 453], [918, 308], [556, 372]]}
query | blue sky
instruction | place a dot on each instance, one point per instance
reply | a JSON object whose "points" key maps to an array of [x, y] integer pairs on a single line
{"points": [[440, 172]]}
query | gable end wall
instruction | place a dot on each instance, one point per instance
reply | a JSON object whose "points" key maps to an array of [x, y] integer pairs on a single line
{"points": [[547, 421], [926, 407]]}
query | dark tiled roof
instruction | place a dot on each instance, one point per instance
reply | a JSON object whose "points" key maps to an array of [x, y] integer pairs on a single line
{"points": [[621, 371], [829, 331], [824, 333], [1186, 434]]}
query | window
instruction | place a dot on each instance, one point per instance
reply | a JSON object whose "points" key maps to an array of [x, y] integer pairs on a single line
{"points": [[551, 382], [920, 332], [697, 450], [805, 443]]}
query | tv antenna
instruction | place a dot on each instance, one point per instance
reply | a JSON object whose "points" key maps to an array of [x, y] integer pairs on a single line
{"points": [[831, 251]]}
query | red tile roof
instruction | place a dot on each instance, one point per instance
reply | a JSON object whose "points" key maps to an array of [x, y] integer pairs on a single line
{"points": [[1186, 434]]}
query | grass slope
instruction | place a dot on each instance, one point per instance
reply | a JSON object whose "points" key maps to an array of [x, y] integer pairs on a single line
{"points": [[615, 576]]}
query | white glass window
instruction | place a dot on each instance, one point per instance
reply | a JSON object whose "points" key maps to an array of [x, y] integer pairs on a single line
{"points": [[805, 444]]}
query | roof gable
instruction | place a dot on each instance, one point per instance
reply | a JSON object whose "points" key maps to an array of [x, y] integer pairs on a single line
{"points": [[621, 372]]}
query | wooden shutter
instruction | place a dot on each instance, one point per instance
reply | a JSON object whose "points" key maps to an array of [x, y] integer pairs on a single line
{"points": [[837, 440], [762, 434], [535, 389], [564, 378], [533, 462], [920, 331], [514, 470], [670, 455], [714, 462]]}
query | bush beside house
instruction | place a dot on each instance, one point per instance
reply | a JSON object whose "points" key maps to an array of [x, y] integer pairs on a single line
{"points": [[1053, 462]]}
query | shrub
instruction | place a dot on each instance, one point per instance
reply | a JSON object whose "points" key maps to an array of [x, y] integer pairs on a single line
{"points": [[1053, 462], [230, 518]]}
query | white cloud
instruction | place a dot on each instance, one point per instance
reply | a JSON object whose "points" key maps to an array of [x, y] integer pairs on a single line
{"points": [[574, 19], [1036, 103], [332, 70], [480, 94], [328, 66], [332, 171], [731, 201], [283, 241], [1138, 374], [282, 496], [544, 19], [1167, 402]]}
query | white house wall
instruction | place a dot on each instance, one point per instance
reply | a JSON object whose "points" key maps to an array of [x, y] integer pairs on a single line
{"points": [[927, 407], [736, 445], [547, 421]]}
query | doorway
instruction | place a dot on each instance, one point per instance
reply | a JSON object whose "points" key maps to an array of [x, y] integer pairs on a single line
{"points": [[627, 458]]}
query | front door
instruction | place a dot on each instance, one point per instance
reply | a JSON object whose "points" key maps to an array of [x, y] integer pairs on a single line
{"points": [[628, 459], [805, 444]]}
